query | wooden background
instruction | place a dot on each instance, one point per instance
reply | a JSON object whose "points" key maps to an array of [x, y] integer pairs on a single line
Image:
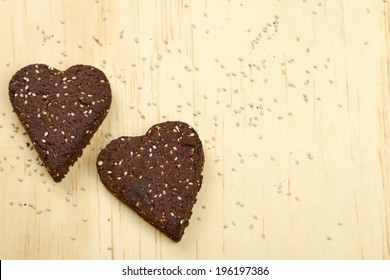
{"points": [[290, 98]]}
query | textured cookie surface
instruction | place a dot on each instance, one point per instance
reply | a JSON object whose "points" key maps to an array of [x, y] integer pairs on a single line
{"points": [[60, 110], [158, 174]]}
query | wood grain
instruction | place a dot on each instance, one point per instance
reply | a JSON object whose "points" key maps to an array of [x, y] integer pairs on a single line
{"points": [[290, 98]]}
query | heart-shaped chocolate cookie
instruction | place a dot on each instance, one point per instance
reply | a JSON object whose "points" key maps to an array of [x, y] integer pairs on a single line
{"points": [[158, 174], [60, 110]]}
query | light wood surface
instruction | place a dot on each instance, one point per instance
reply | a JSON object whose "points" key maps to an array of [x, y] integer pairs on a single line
{"points": [[291, 101]]}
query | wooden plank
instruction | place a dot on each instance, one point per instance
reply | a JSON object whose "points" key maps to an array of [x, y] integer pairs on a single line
{"points": [[290, 98]]}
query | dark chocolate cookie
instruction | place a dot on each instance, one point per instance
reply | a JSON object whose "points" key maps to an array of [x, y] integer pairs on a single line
{"points": [[158, 174], [60, 110]]}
